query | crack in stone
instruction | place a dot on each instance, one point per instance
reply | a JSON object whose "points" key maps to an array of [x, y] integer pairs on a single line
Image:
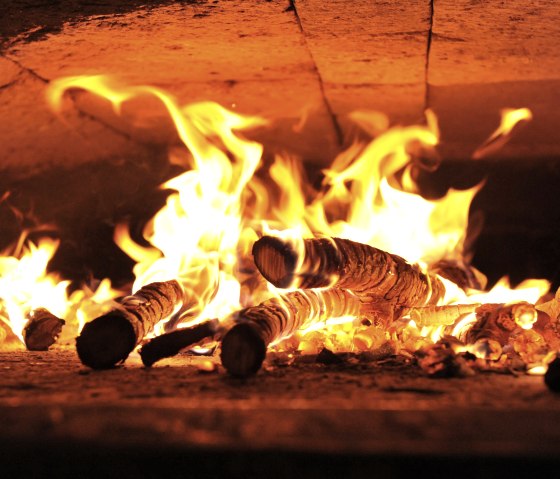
{"points": [[428, 49], [328, 107], [23, 68], [8, 85]]}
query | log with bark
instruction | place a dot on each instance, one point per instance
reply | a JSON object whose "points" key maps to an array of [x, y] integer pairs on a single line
{"points": [[42, 330], [446, 315], [109, 339], [244, 345], [387, 282], [170, 344]]}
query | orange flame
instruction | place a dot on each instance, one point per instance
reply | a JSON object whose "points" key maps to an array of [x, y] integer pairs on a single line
{"points": [[26, 285], [510, 118], [223, 203]]}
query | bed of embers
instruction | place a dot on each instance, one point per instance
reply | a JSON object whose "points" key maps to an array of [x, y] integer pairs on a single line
{"points": [[246, 257]]}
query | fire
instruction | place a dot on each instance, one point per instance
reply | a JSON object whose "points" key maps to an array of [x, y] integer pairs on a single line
{"points": [[510, 118], [26, 285], [227, 198]]}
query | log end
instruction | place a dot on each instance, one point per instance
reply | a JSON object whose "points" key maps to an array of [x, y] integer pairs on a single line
{"points": [[42, 330], [243, 350], [106, 341], [275, 260]]}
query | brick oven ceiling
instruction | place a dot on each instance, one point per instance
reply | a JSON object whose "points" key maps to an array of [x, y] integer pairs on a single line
{"points": [[466, 60]]}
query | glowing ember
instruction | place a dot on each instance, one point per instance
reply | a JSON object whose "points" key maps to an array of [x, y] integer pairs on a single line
{"points": [[225, 201]]}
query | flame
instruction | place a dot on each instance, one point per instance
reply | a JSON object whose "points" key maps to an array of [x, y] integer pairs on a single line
{"points": [[26, 285], [227, 197], [510, 117]]}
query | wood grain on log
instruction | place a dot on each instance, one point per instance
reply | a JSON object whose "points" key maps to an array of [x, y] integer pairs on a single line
{"points": [[109, 339], [363, 269], [445, 315], [244, 345]]}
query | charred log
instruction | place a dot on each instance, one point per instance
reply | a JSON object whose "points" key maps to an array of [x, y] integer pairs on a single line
{"points": [[244, 345], [42, 330], [446, 315], [109, 339], [170, 344], [374, 275]]}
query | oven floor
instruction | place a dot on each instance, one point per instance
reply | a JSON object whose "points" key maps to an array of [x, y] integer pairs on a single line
{"points": [[355, 420]]}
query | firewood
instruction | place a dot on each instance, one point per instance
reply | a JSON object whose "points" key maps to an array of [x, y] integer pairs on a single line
{"points": [[109, 339], [42, 330], [462, 274], [445, 315], [372, 274], [244, 345], [170, 344]]}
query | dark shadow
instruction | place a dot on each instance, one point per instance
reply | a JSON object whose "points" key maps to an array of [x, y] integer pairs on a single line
{"points": [[42, 17], [83, 205], [521, 214]]}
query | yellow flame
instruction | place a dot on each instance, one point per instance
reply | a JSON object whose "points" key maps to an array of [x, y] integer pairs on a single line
{"points": [[26, 285], [528, 291], [222, 203], [510, 117]]}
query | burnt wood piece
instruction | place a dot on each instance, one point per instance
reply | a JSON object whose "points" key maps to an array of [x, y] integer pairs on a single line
{"points": [[377, 277], [42, 330], [109, 339], [497, 323], [244, 345], [170, 344], [439, 360]]}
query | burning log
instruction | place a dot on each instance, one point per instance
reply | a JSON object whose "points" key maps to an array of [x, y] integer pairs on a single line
{"points": [[377, 277], [446, 315], [109, 339], [42, 330], [244, 345], [172, 343]]}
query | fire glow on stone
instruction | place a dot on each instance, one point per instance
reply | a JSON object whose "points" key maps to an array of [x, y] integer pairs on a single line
{"points": [[224, 201]]}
